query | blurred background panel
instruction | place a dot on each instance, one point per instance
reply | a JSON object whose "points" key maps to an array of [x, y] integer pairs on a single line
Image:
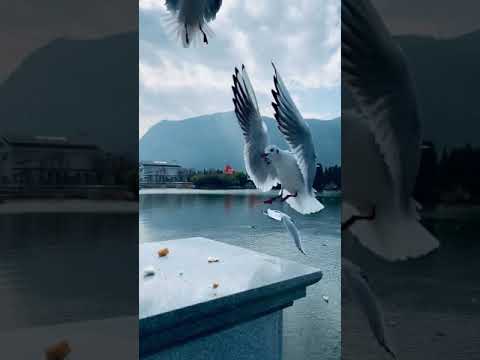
{"points": [[427, 305], [68, 175]]}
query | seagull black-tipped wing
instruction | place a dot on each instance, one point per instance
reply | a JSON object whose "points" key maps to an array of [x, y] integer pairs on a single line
{"points": [[254, 132], [295, 130], [376, 72]]}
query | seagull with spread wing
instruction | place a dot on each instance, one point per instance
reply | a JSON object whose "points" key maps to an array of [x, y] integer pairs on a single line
{"points": [[191, 18], [381, 140], [267, 165], [289, 225]]}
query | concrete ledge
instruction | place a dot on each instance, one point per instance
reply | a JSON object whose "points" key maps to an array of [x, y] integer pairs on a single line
{"points": [[176, 308]]}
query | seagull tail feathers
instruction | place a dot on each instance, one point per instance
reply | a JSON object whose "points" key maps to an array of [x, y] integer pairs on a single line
{"points": [[305, 204], [395, 238], [187, 35]]}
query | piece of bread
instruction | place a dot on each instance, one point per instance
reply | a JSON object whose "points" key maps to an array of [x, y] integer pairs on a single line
{"points": [[58, 351], [163, 252]]}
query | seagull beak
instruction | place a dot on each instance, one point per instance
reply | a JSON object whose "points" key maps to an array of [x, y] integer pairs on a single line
{"points": [[264, 155]]}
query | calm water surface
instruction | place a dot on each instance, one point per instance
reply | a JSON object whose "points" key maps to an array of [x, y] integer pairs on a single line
{"points": [[311, 326], [63, 267]]}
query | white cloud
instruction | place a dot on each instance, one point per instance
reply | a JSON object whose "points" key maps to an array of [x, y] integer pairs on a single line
{"points": [[147, 5], [332, 24], [326, 75], [294, 13], [256, 8], [168, 75]]}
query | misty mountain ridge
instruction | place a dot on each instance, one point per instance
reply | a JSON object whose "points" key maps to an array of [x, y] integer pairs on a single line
{"points": [[79, 89], [212, 141]]}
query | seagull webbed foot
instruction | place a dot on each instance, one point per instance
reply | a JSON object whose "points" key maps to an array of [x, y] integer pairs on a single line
{"points": [[205, 39], [187, 38], [355, 218], [289, 196], [271, 200]]}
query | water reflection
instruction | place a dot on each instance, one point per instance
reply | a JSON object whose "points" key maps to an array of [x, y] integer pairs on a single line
{"points": [[65, 267]]}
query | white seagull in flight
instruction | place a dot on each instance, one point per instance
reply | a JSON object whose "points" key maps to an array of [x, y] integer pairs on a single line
{"points": [[191, 18], [267, 165], [289, 226], [381, 141]]}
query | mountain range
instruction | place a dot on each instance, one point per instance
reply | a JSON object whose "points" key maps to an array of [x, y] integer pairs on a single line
{"points": [[80, 89], [83, 89], [213, 141]]}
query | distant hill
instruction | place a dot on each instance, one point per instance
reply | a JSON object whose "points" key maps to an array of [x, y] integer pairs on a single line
{"points": [[211, 141], [447, 75], [86, 90]]}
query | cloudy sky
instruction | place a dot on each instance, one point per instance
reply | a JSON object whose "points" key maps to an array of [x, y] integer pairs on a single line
{"points": [[301, 37]]}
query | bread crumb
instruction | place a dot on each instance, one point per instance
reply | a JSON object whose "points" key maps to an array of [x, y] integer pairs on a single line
{"points": [[215, 285], [163, 252], [58, 351]]}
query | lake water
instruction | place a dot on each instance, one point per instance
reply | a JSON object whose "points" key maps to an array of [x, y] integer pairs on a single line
{"points": [[311, 326], [65, 267]]}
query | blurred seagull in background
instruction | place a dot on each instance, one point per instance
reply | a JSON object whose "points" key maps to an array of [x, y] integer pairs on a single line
{"points": [[381, 140], [355, 287], [289, 226], [191, 18], [267, 165]]}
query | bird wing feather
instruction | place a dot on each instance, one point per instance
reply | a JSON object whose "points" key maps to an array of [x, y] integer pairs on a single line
{"points": [[377, 75], [295, 131], [254, 132]]}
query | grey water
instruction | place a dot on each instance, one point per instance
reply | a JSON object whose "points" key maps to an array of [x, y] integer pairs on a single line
{"points": [[311, 325], [67, 267]]}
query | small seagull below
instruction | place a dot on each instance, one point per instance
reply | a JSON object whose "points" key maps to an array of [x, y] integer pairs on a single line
{"points": [[289, 225]]}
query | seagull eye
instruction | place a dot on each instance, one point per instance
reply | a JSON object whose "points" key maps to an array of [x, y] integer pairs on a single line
{"points": [[277, 151], [271, 150]]}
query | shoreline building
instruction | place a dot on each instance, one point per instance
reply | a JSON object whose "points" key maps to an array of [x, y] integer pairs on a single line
{"points": [[47, 161], [163, 174]]}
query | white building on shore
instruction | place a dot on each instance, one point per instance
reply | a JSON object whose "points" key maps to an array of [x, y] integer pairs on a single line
{"points": [[40, 161], [162, 174]]}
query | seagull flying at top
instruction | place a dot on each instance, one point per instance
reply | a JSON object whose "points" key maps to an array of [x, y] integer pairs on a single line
{"points": [[267, 165], [191, 18], [381, 140], [289, 226]]}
